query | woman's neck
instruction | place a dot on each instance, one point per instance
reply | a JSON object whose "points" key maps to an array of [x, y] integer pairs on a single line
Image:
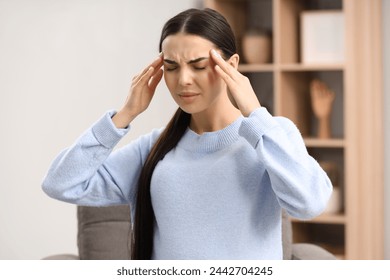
{"points": [[214, 119]]}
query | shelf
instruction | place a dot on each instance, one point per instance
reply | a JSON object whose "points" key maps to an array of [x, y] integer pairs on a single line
{"points": [[325, 219], [256, 68], [310, 67], [293, 67], [324, 143]]}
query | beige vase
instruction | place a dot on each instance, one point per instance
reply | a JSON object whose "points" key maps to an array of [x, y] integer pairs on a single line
{"points": [[257, 48]]}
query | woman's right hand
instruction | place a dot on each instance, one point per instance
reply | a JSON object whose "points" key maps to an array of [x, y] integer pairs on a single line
{"points": [[141, 93]]}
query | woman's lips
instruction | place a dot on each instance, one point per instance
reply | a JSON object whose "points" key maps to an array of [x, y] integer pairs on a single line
{"points": [[188, 96]]}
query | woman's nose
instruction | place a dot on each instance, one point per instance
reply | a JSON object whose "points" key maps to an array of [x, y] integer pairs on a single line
{"points": [[185, 77]]}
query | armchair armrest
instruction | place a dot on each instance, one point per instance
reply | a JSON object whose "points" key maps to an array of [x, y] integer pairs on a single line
{"points": [[305, 251], [62, 257]]}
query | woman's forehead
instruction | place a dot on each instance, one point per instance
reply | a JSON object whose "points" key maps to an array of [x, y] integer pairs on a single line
{"points": [[185, 47]]}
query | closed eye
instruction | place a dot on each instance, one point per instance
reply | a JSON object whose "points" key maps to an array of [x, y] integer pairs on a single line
{"points": [[170, 65], [173, 68], [200, 68], [170, 68]]}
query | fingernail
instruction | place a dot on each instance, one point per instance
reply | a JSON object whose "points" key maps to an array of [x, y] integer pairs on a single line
{"points": [[161, 54], [215, 53]]}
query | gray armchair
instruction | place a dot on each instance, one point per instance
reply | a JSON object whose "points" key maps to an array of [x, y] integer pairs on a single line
{"points": [[105, 234]]}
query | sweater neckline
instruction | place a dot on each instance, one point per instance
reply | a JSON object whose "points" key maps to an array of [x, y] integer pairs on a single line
{"points": [[208, 142]]}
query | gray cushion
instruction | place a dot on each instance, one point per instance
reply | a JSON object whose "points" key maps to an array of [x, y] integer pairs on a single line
{"points": [[286, 236], [305, 251], [104, 233]]}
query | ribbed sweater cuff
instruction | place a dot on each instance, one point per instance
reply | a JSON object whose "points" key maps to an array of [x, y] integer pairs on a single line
{"points": [[256, 125], [106, 133]]}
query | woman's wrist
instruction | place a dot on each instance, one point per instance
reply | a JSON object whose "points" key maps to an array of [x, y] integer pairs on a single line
{"points": [[248, 111], [123, 118]]}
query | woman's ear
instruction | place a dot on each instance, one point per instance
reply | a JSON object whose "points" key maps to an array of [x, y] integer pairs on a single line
{"points": [[234, 60]]}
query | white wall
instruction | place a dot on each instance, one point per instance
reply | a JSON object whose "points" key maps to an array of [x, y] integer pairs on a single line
{"points": [[386, 75], [63, 63]]}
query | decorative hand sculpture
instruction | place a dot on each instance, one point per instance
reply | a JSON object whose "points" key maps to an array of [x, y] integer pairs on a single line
{"points": [[322, 100]]}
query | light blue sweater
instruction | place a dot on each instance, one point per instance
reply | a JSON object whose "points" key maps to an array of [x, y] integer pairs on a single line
{"points": [[215, 196]]}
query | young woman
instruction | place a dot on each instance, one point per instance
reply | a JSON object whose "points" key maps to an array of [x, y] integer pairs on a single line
{"points": [[213, 182]]}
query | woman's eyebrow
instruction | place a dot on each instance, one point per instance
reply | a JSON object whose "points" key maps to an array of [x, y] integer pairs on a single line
{"points": [[170, 61], [196, 60]]}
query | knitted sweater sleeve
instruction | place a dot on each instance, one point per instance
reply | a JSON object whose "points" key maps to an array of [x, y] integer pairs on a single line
{"points": [[90, 173], [299, 183]]}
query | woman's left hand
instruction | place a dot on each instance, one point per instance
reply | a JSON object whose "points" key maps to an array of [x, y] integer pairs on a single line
{"points": [[240, 90]]}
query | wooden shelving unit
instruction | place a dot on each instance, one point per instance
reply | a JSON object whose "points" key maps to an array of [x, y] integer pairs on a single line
{"points": [[356, 146]]}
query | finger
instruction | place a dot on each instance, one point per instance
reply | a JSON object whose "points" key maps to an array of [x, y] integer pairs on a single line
{"points": [[156, 64], [155, 80], [218, 60], [226, 67], [157, 67], [144, 79], [138, 77], [227, 79], [229, 82]]}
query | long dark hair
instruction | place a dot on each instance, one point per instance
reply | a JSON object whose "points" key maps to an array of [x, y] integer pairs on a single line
{"points": [[212, 26]]}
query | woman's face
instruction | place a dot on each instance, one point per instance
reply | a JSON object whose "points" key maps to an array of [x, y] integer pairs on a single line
{"points": [[189, 72]]}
